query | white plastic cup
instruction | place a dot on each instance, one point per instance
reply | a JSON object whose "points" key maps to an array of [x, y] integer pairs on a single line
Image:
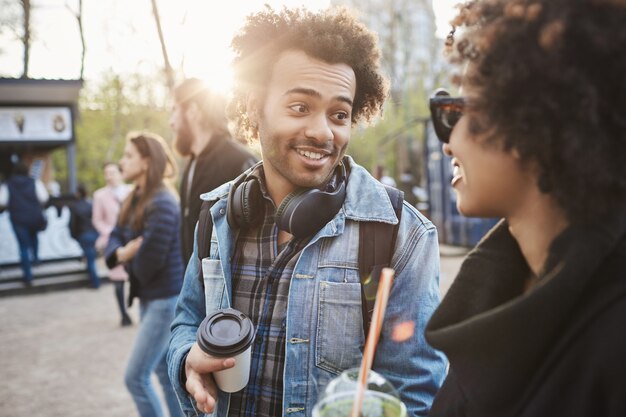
{"points": [[228, 333]]}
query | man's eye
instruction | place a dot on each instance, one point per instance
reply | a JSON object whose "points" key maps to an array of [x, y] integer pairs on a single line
{"points": [[342, 115], [300, 108]]}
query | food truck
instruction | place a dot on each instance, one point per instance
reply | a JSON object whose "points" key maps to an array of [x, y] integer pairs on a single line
{"points": [[37, 117]]}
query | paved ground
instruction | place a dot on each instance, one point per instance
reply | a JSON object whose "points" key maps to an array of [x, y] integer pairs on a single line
{"points": [[63, 354]]}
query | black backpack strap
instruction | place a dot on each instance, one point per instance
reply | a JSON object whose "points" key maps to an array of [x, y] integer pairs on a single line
{"points": [[376, 247], [205, 229]]}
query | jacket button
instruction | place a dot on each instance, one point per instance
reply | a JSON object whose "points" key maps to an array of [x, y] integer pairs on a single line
{"points": [[222, 211]]}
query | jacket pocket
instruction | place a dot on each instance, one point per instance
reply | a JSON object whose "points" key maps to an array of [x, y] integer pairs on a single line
{"points": [[214, 284], [340, 338]]}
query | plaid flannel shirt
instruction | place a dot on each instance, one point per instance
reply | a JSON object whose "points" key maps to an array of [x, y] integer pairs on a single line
{"points": [[261, 276]]}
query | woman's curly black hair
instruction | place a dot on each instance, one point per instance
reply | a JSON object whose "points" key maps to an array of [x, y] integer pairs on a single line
{"points": [[333, 36], [550, 78]]}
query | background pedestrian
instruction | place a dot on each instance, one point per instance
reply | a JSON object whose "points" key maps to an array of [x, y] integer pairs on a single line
{"points": [[24, 198], [146, 240], [107, 202], [82, 230]]}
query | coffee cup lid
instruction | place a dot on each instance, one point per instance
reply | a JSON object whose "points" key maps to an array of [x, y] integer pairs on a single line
{"points": [[225, 333]]}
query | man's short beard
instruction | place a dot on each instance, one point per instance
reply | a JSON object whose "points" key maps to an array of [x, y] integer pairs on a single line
{"points": [[183, 140]]}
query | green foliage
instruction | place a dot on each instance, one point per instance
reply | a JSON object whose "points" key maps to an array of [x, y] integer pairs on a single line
{"points": [[107, 112], [120, 104], [395, 141]]}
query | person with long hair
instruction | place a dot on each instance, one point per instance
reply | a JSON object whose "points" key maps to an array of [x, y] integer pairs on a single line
{"points": [[533, 324], [147, 242]]}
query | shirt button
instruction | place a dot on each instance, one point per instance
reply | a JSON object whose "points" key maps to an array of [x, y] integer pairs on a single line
{"points": [[222, 211]]}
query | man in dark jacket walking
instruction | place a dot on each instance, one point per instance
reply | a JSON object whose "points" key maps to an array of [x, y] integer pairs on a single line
{"points": [[24, 197], [82, 230], [199, 122]]}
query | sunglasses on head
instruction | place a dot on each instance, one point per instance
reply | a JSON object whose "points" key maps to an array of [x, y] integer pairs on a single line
{"points": [[445, 112]]}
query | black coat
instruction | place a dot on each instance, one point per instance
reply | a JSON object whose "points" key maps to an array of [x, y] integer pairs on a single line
{"points": [[222, 160], [80, 218], [558, 350], [156, 271], [24, 207]]}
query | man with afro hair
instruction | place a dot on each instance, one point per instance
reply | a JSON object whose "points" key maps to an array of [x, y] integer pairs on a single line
{"points": [[285, 243]]}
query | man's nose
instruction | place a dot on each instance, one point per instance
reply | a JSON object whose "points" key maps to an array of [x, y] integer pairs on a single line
{"points": [[319, 129]]}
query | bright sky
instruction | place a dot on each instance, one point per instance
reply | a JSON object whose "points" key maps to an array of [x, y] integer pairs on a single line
{"points": [[121, 36], [444, 12]]}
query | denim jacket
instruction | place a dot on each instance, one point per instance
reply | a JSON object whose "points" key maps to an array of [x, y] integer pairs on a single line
{"points": [[324, 328]]}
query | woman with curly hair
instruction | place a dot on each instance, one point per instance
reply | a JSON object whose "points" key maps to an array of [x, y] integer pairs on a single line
{"points": [[147, 242], [534, 322]]}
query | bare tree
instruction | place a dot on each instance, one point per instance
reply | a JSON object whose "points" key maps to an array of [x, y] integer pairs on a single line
{"points": [[26, 35], [169, 72], [79, 19]]}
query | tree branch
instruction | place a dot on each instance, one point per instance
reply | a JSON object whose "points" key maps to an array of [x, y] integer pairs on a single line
{"points": [[169, 72], [26, 36], [79, 19]]}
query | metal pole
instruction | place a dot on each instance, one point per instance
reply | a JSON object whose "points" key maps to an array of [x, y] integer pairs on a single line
{"points": [[71, 168]]}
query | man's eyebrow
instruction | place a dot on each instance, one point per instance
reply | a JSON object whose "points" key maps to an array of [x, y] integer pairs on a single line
{"points": [[316, 94]]}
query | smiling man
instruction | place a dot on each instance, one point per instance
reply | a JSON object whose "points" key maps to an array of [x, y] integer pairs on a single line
{"points": [[284, 248]]}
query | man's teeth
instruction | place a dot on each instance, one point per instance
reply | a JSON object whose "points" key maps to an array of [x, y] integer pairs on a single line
{"points": [[311, 155]]}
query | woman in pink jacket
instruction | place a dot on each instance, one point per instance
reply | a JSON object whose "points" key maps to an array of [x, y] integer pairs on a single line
{"points": [[106, 208]]}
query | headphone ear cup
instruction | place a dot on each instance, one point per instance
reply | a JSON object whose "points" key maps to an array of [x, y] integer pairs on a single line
{"points": [[245, 204], [282, 217], [233, 206], [305, 211]]}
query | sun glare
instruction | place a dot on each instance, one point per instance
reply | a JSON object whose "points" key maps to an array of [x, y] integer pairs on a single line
{"points": [[201, 41], [121, 38]]}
